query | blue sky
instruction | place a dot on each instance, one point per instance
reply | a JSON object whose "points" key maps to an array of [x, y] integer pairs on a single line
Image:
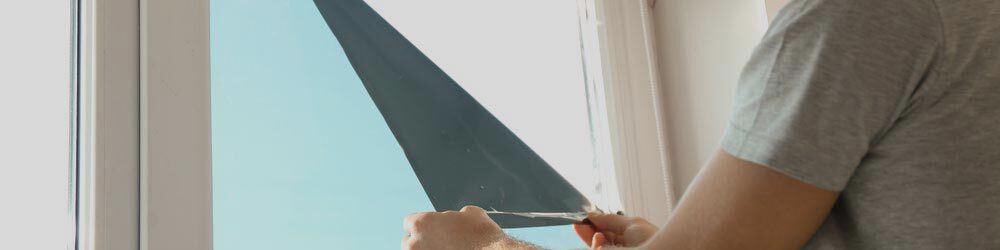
{"points": [[302, 159]]}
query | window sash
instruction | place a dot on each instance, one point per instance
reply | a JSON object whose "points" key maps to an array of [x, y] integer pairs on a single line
{"points": [[622, 65], [109, 124]]}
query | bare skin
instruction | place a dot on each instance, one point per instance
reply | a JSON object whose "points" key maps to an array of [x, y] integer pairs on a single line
{"points": [[469, 228], [732, 204]]}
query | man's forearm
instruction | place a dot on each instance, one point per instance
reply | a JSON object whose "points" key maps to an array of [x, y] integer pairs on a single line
{"points": [[735, 204]]}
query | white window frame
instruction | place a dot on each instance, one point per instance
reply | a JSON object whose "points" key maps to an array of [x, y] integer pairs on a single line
{"points": [[147, 131], [623, 85], [175, 125], [109, 124]]}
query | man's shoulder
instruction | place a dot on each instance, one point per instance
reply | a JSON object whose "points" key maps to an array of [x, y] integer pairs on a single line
{"points": [[864, 10], [917, 19]]}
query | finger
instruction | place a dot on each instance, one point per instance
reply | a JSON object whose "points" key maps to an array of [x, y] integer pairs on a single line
{"points": [[473, 209], [611, 237], [585, 231], [406, 243], [476, 211], [413, 221], [598, 241], [609, 222]]}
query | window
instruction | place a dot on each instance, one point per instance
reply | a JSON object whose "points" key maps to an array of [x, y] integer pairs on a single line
{"points": [[274, 122], [303, 159], [37, 135]]}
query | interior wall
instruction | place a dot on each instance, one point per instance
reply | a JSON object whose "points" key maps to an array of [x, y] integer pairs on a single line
{"points": [[702, 46], [36, 59], [773, 6]]}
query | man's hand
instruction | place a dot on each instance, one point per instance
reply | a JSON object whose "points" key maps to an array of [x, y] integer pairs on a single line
{"points": [[615, 230], [469, 228]]}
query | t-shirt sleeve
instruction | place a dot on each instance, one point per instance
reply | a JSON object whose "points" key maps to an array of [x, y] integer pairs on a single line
{"points": [[828, 79]]}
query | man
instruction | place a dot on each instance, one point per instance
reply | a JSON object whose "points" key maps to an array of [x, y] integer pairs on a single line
{"points": [[858, 124]]}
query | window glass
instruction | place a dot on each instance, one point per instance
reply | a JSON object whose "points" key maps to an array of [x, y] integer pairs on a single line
{"points": [[302, 158], [36, 133]]}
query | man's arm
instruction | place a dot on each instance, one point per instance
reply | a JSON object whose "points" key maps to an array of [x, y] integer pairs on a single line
{"points": [[739, 204], [732, 204]]}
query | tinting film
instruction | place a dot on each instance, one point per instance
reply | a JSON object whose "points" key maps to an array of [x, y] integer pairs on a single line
{"points": [[460, 152]]}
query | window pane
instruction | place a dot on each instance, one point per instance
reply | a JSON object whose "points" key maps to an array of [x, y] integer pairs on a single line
{"points": [[302, 157], [36, 100]]}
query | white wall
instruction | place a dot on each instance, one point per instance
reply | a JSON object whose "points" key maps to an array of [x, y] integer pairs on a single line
{"points": [[702, 46], [35, 60]]}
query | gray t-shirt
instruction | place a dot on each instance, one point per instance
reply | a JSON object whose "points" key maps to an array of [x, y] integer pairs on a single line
{"points": [[895, 103]]}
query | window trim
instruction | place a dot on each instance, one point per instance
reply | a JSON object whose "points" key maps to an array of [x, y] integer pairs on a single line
{"points": [[175, 125], [109, 125], [622, 71], [133, 171]]}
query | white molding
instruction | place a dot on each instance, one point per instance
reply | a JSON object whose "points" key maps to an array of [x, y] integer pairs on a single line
{"points": [[175, 127], [627, 83], [609, 198], [109, 124]]}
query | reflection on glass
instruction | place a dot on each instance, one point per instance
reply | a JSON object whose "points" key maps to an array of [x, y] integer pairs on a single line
{"points": [[302, 157]]}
